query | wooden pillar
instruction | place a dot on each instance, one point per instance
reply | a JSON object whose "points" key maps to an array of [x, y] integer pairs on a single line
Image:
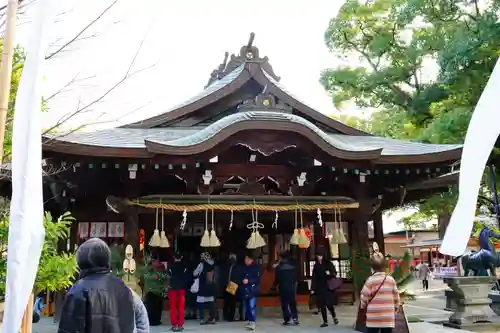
{"points": [[73, 235], [379, 230], [272, 258], [360, 246], [443, 221]]}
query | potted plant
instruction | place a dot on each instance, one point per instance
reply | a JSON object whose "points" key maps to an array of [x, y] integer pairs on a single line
{"points": [[154, 290]]}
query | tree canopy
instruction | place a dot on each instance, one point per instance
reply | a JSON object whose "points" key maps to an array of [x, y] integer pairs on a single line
{"points": [[420, 64]]}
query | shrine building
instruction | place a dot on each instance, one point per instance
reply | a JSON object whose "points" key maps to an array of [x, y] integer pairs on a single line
{"points": [[243, 150]]}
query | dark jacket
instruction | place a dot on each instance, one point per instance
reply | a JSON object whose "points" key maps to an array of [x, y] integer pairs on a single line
{"points": [[98, 303], [286, 277], [322, 272], [207, 286], [253, 274], [177, 274]]}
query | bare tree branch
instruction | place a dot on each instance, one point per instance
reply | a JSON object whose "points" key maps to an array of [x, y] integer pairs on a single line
{"points": [[87, 107], [65, 87], [91, 23], [47, 140]]}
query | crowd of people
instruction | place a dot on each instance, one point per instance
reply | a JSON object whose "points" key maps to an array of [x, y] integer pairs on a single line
{"points": [[101, 302]]}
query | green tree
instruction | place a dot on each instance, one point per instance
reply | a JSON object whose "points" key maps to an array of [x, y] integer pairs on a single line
{"points": [[396, 43]]}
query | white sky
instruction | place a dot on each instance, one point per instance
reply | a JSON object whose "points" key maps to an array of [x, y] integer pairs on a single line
{"points": [[186, 40]]}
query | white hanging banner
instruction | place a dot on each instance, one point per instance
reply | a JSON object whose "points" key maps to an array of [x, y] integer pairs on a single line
{"points": [[26, 231], [480, 139], [83, 230], [116, 229], [98, 230]]}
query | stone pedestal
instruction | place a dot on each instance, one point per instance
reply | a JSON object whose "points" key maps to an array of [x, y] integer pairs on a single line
{"points": [[470, 296], [495, 301], [451, 303]]}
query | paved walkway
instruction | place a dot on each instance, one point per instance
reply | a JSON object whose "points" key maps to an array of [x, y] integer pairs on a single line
{"points": [[428, 306], [271, 321], [265, 326]]}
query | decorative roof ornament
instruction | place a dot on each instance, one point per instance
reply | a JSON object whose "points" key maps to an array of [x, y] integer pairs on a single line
{"points": [[248, 53], [264, 102]]}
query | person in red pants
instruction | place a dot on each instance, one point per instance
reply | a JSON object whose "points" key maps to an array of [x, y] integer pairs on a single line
{"points": [[177, 274]]}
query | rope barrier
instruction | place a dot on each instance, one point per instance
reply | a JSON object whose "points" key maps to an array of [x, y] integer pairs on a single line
{"points": [[244, 207]]}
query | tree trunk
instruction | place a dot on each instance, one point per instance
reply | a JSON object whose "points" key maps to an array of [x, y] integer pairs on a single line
{"points": [[443, 220]]}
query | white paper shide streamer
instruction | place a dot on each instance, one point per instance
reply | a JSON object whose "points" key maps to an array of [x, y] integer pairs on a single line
{"points": [[479, 141], [26, 232]]}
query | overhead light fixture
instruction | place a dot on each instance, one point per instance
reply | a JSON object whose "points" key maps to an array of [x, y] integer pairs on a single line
{"points": [[253, 157], [214, 159], [317, 163]]}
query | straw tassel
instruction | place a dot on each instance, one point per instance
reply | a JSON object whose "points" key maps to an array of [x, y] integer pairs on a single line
{"points": [[295, 237], [205, 239], [213, 239], [155, 239], [256, 240], [163, 238]]}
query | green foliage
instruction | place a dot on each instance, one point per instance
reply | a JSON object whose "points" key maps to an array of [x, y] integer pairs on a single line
{"points": [[117, 257], [56, 271], [403, 275], [4, 235], [17, 68], [423, 65], [398, 42], [360, 268]]}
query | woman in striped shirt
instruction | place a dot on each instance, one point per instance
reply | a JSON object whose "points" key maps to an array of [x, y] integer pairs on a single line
{"points": [[380, 298]]}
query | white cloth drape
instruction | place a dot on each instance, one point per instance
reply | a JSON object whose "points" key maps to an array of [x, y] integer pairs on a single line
{"points": [[26, 232], [481, 136]]}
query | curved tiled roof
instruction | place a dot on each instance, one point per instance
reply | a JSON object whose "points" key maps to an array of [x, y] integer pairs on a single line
{"points": [[193, 140]]}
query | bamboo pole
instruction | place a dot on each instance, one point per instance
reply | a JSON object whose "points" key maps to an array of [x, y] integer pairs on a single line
{"points": [[27, 323], [6, 68]]}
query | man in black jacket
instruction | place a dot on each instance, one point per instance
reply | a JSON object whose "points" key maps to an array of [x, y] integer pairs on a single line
{"points": [[99, 302], [286, 280]]}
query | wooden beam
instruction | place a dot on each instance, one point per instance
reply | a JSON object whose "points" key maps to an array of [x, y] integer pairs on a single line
{"points": [[174, 198], [251, 171]]}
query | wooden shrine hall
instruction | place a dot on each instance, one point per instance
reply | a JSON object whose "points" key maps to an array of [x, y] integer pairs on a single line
{"points": [[242, 151]]}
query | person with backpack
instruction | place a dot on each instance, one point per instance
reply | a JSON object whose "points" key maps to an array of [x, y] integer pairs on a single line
{"points": [[205, 273]]}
